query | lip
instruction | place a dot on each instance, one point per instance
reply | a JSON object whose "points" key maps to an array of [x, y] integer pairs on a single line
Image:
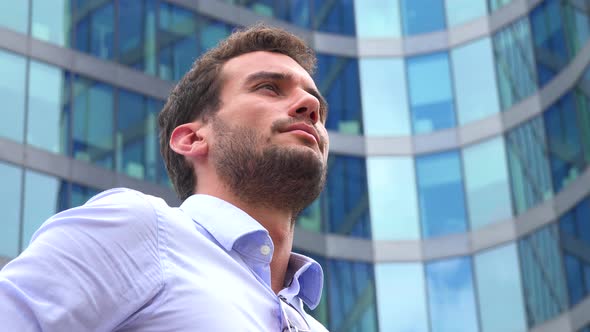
{"points": [[305, 128]]}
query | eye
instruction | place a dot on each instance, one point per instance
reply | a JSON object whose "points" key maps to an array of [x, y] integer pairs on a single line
{"points": [[268, 86]]}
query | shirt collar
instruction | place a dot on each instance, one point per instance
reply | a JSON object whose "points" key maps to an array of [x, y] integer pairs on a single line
{"points": [[306, 280], [225, 222]]}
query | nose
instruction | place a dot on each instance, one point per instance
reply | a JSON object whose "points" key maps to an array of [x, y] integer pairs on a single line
{"points": [[306, 106]]}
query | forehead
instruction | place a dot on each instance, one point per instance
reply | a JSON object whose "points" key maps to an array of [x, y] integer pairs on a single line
{"points": [[237, 69]]}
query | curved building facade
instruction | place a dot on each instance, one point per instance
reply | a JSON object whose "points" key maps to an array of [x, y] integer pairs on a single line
{"points": [[458, 194]]}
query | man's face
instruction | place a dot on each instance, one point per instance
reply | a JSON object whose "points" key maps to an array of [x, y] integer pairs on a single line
{"points": [[270, 144]]}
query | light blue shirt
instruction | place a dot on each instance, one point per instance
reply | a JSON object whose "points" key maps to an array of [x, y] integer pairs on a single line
{"points": [[126, 261]]}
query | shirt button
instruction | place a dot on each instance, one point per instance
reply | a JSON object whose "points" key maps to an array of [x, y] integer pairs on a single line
{"points": [[265, 250]]}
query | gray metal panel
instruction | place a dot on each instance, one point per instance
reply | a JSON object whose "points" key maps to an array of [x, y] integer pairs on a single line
{"points": [[383, 146], [508, 14], [47, 162], [521, 112], [446, 246], [579, 316], [334, 44], [348, 144], [13, 41], [426, 43], [397, 251], [4, 260], [535, 218], [310, 241], [469, 31], [493, 235], [51, 53], [560, 323], [437, 141], [11, 151], [575, 192], [380, 47], [344, 247], [480, 130]]}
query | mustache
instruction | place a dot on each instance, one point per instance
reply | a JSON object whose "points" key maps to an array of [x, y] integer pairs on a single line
{"points": [[281, 124]]}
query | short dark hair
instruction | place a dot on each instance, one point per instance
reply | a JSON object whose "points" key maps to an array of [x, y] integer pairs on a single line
{"points": [[196, 96]]}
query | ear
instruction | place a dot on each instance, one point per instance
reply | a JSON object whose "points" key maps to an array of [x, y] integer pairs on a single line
{"points": [[189, 140]]}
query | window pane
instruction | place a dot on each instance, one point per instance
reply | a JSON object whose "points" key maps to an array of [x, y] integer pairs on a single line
{"points": [[94, 29], [45, 195], [499, 292], [563, 139], [475, 81], [12, 93], [93, 122], [136, 136], [514, 63], [352, 296], [497, 4], [334, 16], [441, 197], [15, 15], [401, 298], [377, 18], [311, 217], [461, 11], [137, 34], [417, 20], [486, 182], [431, 94], [177, 41], [211, 32], [337, 79], [384, 97], [542, 273], [577, 31], [575, 279], [582, 96], [297, 12], [346, 197], [10, 194], [529, 167], [81, 194], [49, 108], [392, 198], [450, 295], [50, 21]]}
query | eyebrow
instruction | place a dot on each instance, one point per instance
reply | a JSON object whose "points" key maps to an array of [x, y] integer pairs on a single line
{"points": [[277, 76]]}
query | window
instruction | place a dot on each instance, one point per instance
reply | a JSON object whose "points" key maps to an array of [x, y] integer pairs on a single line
{"points": [[15, 15], [440, 193], [334, 16], [401, 297], [416, 20], [500, 308], [450, 295], [177, 41], [346, 198], [136, 22], [51, 21], [93, 122], [81, 194], [48, 122], [486, 182], [384, 97], [431, 93], [515, 65], [10, 202], [211, 32], [475, 81], [94, 29], [529, 166], [310, 218], [377, 18], [461, 11], [12, 93], [392, 198], [497, 4]]}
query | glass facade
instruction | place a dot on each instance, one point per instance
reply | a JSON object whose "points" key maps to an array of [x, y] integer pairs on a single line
{"points": [[457, 145]]}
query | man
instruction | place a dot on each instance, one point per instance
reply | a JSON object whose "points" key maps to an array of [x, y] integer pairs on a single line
{"points": [[244, 142]]}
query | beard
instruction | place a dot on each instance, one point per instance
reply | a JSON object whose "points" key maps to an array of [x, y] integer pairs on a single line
{"points": [[261, 174]]}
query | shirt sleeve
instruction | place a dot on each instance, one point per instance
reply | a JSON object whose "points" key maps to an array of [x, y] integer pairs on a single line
{"points": [[86, 269]]}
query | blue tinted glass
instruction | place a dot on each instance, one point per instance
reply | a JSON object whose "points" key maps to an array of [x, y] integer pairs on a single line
{"points": [[351, 292], [475, 81], [583, 112], [212, 31], [461, 11], [431, 93], [582, 213], [48, 122], [136, 21], [563, 140], [529, 166], [14, 15], [334, 16], [45, 195], [81, 194], [496, 4], [311, 217], [177, 41], [294, 11], [440, 192], [422, 16], [93, 122], [384, 97], [337, 79], [136, 136], [12, 93], [377, 18], [94, 29], [549, 40], [392, 198], [487, 182], [542, 273], [577, 29], [10, 194], [450, 286], [401, 297], [51, 21], [575, 282], [515, 65], [501, 306], [346, 197]]}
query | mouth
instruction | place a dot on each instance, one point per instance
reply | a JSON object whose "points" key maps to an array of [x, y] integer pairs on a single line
{"points": [[305, 131]]}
